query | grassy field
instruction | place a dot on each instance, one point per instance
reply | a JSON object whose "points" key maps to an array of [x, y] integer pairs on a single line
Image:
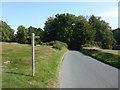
{"points": [[16, 66], [115, 52], [111, 57]]}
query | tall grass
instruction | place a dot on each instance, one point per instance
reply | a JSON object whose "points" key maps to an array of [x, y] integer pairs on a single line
{"points": [[16, 68], [110, 58]]}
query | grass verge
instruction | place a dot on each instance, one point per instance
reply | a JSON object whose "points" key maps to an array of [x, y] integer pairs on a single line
{"points": [[16, 66], [109, 58]]}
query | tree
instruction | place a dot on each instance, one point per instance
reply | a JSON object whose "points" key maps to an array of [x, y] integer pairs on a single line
{"points": [[68, 28], [21, 35], [37, 31], [104, 35], [29, 31], [7, 32], [116, 34], [83, 33], [49, 30], [59, 28], [65, 27]]}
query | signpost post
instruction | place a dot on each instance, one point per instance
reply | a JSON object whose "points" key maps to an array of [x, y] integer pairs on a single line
{"points": [[33, 52]]}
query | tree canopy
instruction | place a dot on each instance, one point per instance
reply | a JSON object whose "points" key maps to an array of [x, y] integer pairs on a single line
{"points": [[37, 31], [103, 36], [76, 31], [116, 34], [7, 32], [83, 33], [21, 34], [68, 28]]}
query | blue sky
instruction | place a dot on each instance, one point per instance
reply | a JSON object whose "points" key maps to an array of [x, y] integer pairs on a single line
{"points": [[36, 13]]}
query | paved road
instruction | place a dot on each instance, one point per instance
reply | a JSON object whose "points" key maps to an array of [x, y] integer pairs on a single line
{"points": [[81, 71]]}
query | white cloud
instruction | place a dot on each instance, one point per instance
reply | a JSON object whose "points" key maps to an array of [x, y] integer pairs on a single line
{"points": [[110, 13]]}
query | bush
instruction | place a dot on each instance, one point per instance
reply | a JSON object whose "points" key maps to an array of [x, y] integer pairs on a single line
{"points": [[55, 44], [59, 45], [51, 43], [44, 43]]}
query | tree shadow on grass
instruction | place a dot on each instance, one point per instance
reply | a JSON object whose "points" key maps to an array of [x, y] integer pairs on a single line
{"points": [[19, 74]]}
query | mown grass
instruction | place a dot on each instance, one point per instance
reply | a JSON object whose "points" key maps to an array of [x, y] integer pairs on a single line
{"points": [[16, 66], [116, 52], [110, 57]]}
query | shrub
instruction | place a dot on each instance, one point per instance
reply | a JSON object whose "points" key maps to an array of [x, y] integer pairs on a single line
{"points": [[51, 43], [59, 45], [44, 43], [55, 44]]}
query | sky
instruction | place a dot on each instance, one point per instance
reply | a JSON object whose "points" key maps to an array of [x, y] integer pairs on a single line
{"points": [[36, 13]]}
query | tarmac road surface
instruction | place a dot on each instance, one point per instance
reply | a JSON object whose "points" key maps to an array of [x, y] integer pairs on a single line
{"points": [[81, 71]]}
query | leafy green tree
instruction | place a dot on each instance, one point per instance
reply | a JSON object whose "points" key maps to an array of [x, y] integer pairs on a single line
{"points": [[37, 31], [30, 30], [65, 27], [21, 35], [68, 28], [83, 33], [59, 28], [104, 35], [50, 29], [7, 32], [116, 34]]}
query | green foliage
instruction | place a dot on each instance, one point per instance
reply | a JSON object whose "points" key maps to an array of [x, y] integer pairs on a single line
{"points": [[16, 66], [49, 32], [45, 43], [59, 45], [37, 31], [83, 33], [116, 34], [24, 34], [59, 28], [51, 43], [75, 31], [7, 32], [103, 34], [108, 58], [21, 34], [55, 44], [68, 28]]}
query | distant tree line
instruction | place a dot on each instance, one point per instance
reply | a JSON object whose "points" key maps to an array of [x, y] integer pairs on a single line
{"points": [[75, 31], [78, 31], [22, 36]]}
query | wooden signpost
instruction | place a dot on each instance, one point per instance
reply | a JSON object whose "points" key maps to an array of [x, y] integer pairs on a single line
{"points": [[33, 53]]}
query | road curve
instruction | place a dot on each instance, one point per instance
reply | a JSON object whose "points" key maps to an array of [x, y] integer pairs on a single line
{"points": [[81, 71]]}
